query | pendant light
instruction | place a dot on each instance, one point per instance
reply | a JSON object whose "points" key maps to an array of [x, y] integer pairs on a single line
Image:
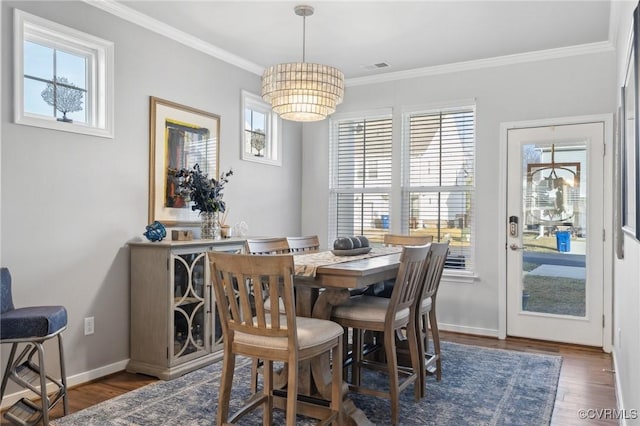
{"points": [[301, 91]]}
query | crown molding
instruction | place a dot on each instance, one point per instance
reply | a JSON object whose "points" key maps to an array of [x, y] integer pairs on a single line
{"points": [[115, 8], [133, 16], [540, 55]]}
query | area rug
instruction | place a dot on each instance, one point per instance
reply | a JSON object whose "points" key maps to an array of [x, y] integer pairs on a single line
{"points": [[479, 386]]}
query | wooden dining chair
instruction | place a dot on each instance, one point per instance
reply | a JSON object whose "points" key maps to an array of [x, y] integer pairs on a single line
{"points": [[309, 243], [266, 246], [385, 288], [426, 316], [241, 284], [388, 316]]}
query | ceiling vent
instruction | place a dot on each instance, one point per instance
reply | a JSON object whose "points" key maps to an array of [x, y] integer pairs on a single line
{"points": [[376, 66]]}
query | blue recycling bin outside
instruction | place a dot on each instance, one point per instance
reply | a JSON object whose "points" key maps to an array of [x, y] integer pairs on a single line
{"points": [[385, 221], [563, 241]]}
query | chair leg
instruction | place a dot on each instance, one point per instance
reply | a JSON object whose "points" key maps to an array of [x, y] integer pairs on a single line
{"points": [[356, 351], [392, 365], [267, 389], [63, 374], [255, 365], [224, 394], [292, 390], [336, 385], [9, 367], [417, 359], [347, 358], [44, 398], [436, 341]]}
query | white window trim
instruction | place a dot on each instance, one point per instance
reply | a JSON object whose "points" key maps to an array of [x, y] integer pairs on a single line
{"points": [[100, 79], [272, 132], [449, 275]]}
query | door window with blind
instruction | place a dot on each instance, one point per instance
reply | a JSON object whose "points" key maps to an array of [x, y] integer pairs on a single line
{"points": [[360, 177], [438, 190]]}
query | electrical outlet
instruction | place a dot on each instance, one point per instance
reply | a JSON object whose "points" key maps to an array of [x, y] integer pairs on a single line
{"points": [[88, 326]]}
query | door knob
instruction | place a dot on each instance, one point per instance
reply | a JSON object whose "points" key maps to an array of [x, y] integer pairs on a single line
{"points": [[515, 247]]}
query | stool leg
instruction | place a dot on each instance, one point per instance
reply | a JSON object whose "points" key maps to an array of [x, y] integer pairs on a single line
{"points": [[63, 376], [44, 398], [7, 371]]}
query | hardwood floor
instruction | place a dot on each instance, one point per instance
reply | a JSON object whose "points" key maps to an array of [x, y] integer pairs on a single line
{"points": [[586, 381]]}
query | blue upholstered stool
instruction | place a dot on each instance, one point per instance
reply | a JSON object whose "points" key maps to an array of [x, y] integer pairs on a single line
{"points": [[33, 326]]}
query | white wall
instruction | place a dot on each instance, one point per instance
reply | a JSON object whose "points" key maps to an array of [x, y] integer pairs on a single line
{"points": [[573, 86], [626, 318], [70, 203]]}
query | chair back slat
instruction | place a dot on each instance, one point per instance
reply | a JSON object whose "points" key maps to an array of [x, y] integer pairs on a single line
{"points": [[409, 279], [6, 299], [242, 283], [267, 246], [309, 243], [434, 269], [406, 240]]}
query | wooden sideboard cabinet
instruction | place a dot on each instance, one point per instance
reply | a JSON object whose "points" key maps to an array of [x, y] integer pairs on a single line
{"points": [[174, 324]]}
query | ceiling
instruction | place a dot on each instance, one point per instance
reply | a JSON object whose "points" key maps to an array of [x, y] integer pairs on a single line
{"points": [[355, 35]]}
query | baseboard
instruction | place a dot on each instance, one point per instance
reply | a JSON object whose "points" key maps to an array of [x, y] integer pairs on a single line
{"points": [[74, 380], [468, 330], [619, 399]]}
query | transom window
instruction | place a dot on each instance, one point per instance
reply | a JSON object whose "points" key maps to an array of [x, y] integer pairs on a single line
{"points": [[63, 77], [260, 135]]}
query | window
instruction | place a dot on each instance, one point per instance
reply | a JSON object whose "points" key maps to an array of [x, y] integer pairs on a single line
{"points": [[260, 135], [438, 190], [63, 77], [360, 177]]}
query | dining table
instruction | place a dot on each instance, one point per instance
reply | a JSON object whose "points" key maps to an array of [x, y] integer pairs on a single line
{"points": [[323, 280]]}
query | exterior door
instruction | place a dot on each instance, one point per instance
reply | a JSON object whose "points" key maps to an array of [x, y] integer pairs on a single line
{"points": [[555, 233]]}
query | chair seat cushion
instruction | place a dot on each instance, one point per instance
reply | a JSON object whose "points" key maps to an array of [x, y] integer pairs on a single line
{"points": [[426, 305], [366, 308], [30, 322], [311, 332]]}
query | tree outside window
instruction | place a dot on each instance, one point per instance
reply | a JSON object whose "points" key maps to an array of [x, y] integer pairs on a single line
{"points": [[63, 96]]}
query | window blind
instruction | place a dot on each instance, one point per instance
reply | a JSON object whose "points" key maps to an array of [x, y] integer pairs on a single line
{"points": [[361, 181], [438, 197], [188, 145]]}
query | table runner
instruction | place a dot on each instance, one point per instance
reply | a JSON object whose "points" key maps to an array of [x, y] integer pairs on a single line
{"points": [[307, 264]]}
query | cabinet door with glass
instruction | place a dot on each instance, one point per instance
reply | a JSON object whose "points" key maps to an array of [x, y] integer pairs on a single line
{"points": [[174, 325], [191, 328]]}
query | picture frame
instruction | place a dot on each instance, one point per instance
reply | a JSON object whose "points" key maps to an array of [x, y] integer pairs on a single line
{"points": [[618, 234], [179, 137], [629, 146], [634, 154]]}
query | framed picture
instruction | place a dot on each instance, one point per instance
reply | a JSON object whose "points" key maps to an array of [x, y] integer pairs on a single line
{"points": [[629, 129], [179, 137]]}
